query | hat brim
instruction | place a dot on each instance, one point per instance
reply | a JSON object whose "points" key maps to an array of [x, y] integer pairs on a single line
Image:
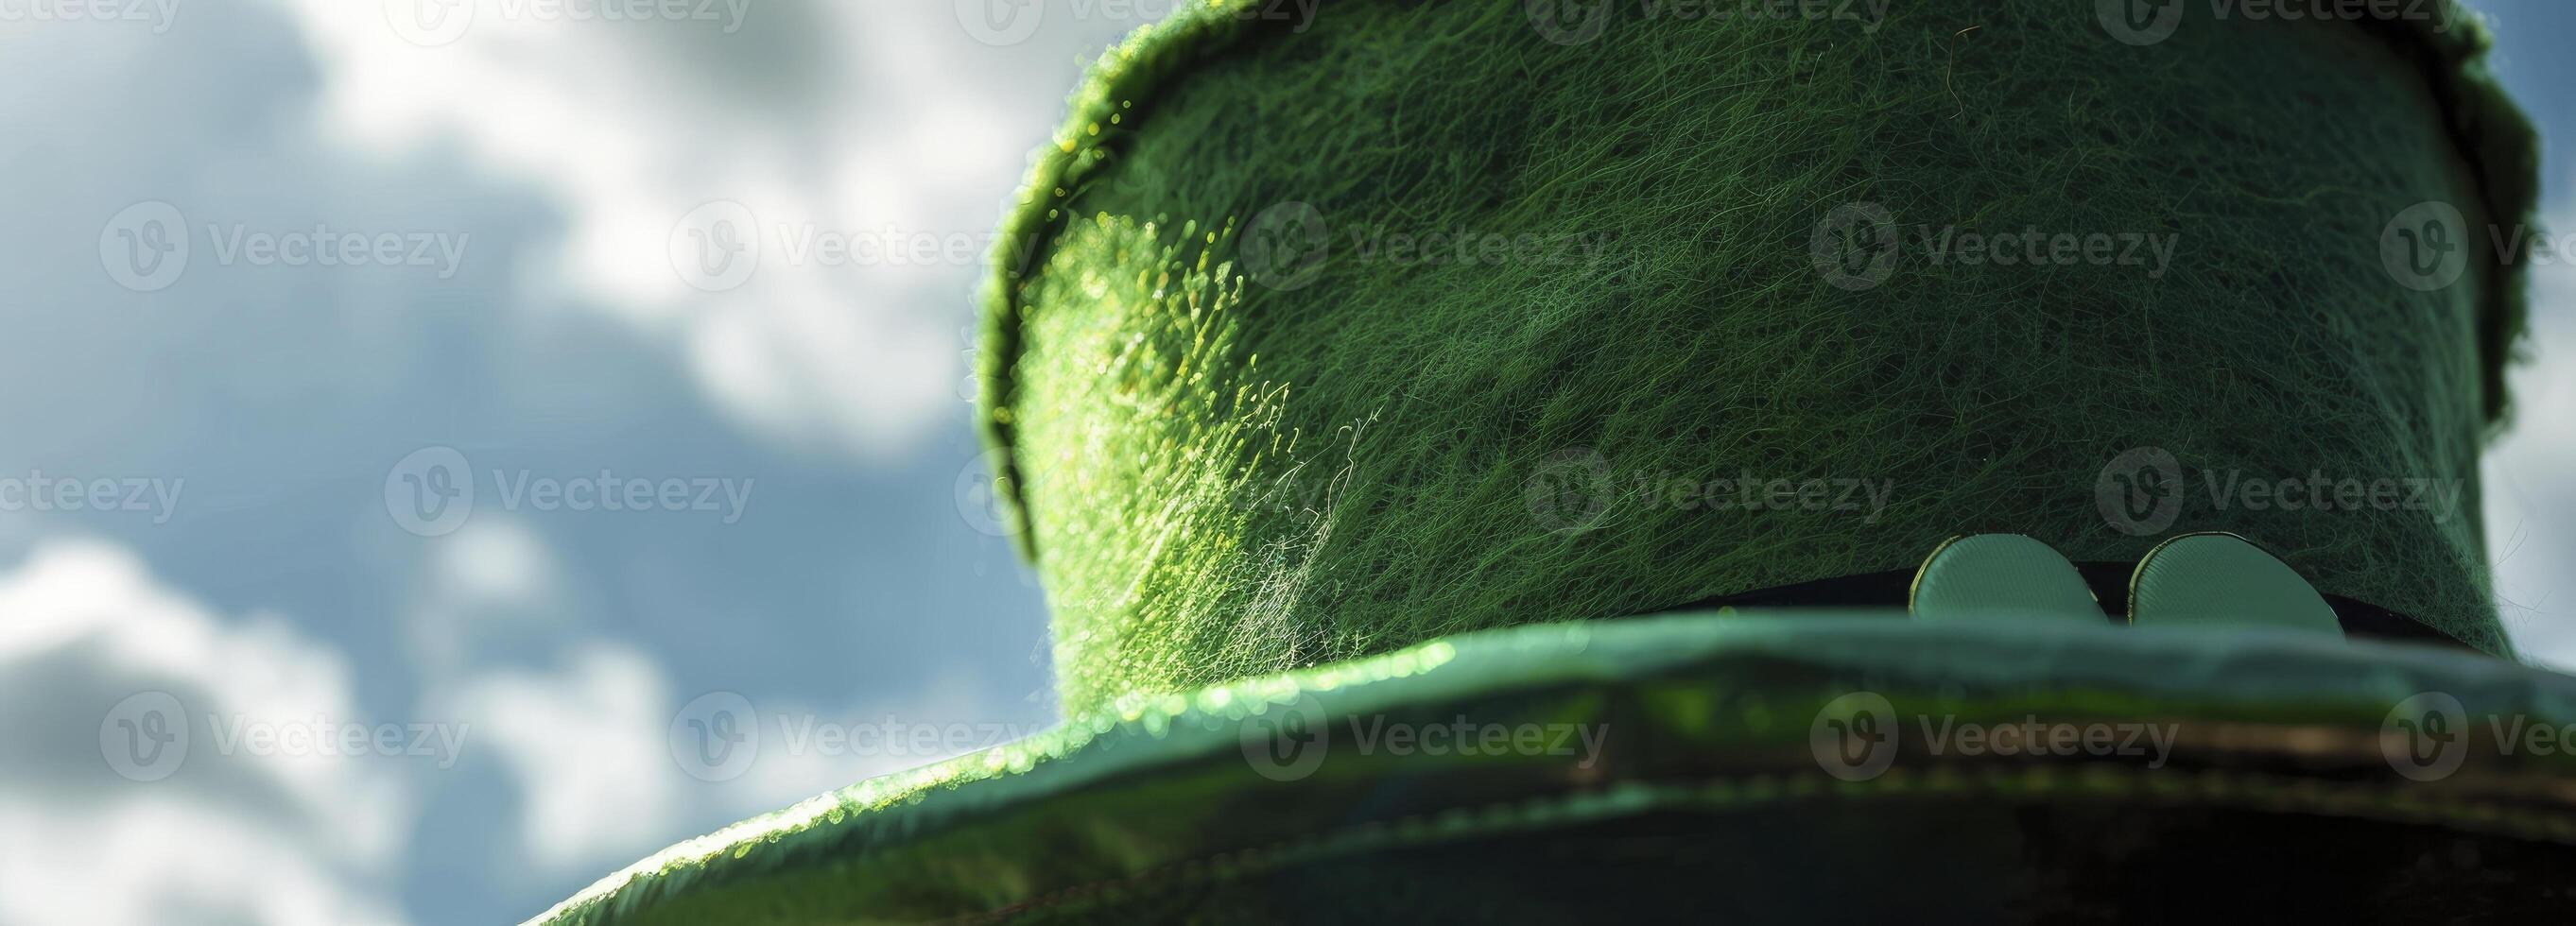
{"points": [[1711, 760]]}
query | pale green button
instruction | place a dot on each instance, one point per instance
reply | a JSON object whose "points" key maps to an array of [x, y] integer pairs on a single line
{"points": [[2220, 579], [2001, 576]]}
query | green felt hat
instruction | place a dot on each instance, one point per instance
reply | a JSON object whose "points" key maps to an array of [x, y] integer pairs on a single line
{"points": [[1311, 339], [1610, 771], [1358, 378]]}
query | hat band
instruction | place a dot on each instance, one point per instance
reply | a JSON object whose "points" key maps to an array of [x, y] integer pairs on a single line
{"points": [[2109, 581]]}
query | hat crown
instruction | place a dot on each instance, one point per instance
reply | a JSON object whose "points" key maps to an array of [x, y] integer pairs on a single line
{"points": [[1419, 318]]}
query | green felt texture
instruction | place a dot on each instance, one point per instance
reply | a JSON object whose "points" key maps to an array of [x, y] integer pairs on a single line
{"points": [[1707, 776], [2216, 579], [1224, 476], [2001, 576]]}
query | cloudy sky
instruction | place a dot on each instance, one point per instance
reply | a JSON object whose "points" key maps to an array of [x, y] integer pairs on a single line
{"points": [[400, 456]]}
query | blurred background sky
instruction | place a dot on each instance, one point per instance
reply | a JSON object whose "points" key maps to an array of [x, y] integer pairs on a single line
{"points": [[327, 457]]}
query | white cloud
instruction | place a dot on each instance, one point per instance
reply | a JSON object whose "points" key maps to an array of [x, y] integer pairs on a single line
{"points": [[158, 861], [499, 561], [602, 782], [859, 118], [587, 748], [804, 752], [225, 833], [492, 588], [316, 838], [2530, 507]]}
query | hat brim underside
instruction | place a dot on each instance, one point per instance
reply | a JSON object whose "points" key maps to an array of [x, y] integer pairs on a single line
{"points": [[1708, 762]]}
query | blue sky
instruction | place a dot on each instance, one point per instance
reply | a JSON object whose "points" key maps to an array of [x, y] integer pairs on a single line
{"points": [[257, 409]]}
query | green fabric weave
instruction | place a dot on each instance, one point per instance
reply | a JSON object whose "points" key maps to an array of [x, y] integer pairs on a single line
{"points": [[1232, 461]]}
